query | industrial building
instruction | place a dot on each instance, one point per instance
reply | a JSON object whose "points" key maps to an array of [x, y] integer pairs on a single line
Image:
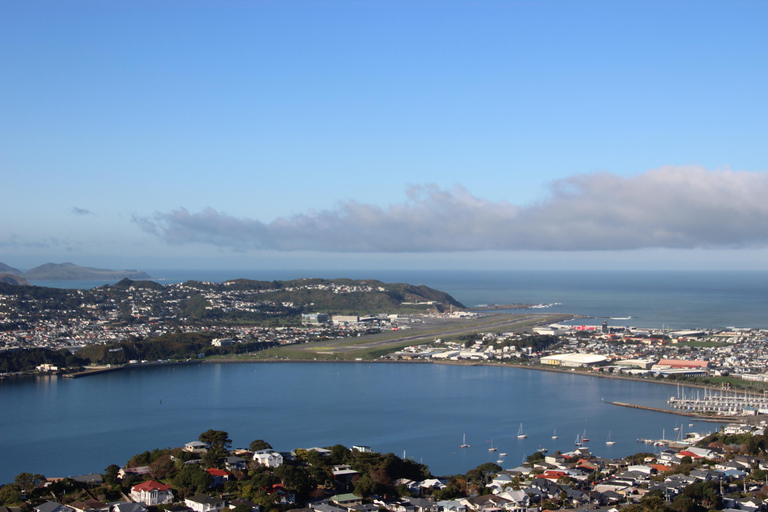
{"points": [[574, 360]]}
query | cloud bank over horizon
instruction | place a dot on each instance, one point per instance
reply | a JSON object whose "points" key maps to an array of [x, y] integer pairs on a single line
{"points": [[672, 207]]}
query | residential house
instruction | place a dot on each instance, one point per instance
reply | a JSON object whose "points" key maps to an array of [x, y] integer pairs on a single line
{"points": [[452, 506], [235, 463], [344, 500], [219, 476], [91, 480], [52, 506], [139, 471], [284, 497], [344, 476], [152, 493], [486, 503], [128, 507], [432, 483], [204, 503], [326, 507], [519, 501], [89, 506], [196, 447], [365, 507], [268, 458], [421, 504]]}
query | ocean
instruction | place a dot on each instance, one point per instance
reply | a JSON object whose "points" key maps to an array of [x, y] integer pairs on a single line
{"points": [[648, 299]]}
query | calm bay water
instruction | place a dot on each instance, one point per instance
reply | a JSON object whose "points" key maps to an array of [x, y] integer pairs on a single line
{"points": [[62, 427], [673, 299]]}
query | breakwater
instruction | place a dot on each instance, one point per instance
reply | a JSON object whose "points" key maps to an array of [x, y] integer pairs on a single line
{"points": [[698, 416]]}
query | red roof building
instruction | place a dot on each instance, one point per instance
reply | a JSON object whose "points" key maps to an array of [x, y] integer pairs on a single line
{"points": [[150, 485], [682, 363], [152, 493]]}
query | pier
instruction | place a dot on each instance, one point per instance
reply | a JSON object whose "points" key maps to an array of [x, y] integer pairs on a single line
{"points": [[697, 415]]}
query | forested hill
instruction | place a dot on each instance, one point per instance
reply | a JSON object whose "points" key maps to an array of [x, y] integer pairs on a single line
{"points": [[339, 295]]}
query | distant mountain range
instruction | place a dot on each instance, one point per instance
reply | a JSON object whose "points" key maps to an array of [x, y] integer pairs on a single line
{"points": [[71, 272]]}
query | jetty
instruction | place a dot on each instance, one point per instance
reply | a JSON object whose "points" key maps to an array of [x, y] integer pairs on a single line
{"points": [[697, 415]]}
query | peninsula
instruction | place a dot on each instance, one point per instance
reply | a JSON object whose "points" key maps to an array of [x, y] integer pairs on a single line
{"points": [[72, 272]]}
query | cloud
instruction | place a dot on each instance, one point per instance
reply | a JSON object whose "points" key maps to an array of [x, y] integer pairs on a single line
{"points": [[80, 211], [670, 207]]}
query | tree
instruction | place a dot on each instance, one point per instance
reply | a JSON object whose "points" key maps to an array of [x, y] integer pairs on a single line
{"points": [[365, 486], [683, 504], [259, 445], [162, 467], [28, 481], [296, 479], [263, 479], [448, 493], [340, 454], [482, 472], [192, 480], [216, 439], [10, 494], [654, 501], [111, 474], [705, 493]]}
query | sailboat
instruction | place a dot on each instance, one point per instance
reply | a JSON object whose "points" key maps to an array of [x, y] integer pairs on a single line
{"points": [[554, 434], [609, 442], [464, 442], [578, 440], [492, 449], [520, 434], [584, 438]]}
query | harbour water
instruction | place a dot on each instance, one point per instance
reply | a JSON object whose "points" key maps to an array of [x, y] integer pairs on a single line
{"points": [[64, 427]]}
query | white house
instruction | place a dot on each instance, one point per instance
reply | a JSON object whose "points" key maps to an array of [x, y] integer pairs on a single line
{"points": [[196, 447], [152, 493], [269, 458]]}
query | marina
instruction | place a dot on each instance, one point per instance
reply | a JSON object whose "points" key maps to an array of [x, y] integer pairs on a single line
{"points": [[719, 403]]}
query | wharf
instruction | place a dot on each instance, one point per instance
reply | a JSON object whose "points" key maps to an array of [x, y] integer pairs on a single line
{"points": [[696, 415]]}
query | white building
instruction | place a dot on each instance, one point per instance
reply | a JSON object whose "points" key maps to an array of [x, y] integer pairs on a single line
{"points": [[573, 360], [268, 458], [152, 493]]}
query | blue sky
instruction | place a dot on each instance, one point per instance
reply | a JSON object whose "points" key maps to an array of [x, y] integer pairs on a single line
{"points": [[383, 134]]}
